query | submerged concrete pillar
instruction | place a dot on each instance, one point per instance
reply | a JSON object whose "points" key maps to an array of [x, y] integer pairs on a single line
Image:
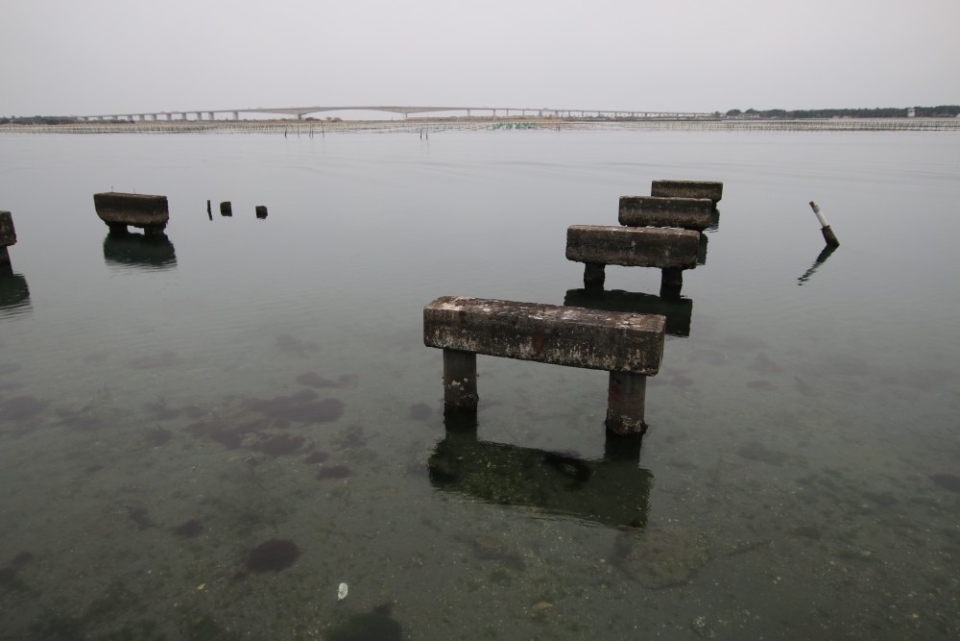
{"points": [[626, 398], [459, 381]]}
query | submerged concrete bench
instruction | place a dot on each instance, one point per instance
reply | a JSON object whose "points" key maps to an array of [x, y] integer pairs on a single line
{"points": [[652, 211], [118, 211], [688, 189], [8, 236], [629, 346], [670, 250]]}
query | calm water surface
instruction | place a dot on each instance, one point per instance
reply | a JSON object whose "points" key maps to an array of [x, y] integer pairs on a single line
{"points": [[165, 409]]}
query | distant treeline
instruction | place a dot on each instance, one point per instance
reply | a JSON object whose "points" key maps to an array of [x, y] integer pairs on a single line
{"points": [[949, 111], [37, 120]]}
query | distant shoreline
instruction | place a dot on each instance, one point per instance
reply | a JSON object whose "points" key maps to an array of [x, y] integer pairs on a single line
{"points": [[424, 126]]}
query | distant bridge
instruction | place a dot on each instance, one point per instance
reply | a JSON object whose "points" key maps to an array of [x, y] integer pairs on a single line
{"points": [[405, 111]]}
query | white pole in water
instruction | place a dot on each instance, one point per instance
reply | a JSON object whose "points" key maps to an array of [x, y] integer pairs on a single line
{"points": [[828, 234]]}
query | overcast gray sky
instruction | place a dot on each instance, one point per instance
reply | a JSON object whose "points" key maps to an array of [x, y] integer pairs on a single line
{"points": [[77, 57]]}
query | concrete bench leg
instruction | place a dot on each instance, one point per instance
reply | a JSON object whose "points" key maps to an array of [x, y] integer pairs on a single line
{"points": [[459, 381], [594, 276], [625, 402], [671, 282]]}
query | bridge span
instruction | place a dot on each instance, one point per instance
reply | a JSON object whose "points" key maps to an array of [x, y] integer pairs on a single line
{"points": [[405, 111]]}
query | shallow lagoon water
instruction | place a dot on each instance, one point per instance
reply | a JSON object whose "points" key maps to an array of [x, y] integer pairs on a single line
{"points": [[165, 411]]}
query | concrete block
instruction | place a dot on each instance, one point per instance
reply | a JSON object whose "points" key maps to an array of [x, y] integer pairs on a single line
{"points": [[650, 211], [688, 189], [633, 246], [8, 235], [119, 211], [574, 337]]}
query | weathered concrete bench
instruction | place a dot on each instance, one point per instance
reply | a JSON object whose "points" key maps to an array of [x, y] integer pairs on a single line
{"points": [[651, 211], [629, 346], [688, 189], [8, 236], [118, 211], [670, 250]]}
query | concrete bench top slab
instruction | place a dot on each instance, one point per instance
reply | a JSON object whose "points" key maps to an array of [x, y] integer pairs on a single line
{"points": [[633, 246], [570, 336], [688, 189], [651, 211]]}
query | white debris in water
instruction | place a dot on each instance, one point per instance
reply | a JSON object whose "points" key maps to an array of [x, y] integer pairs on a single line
{"points": [[342, 592]]}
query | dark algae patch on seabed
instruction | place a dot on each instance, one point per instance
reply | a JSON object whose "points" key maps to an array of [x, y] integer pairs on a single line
{"points": [[273, 556]]}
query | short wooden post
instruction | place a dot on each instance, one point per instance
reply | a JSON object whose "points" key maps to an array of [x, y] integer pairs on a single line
{"points": [[261, 211], [626, 398], [594, 276], [226, 209], [459, 381], [4, 257]]}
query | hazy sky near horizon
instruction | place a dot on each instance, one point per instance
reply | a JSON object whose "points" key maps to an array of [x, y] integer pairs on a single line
{"points": [[120, 56]]}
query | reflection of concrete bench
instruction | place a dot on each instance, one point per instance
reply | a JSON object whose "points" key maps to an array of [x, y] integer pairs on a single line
{"points": [[614, 492], [149, 213], [629, 346], [671, 250], [8, 236], [687, 189]]}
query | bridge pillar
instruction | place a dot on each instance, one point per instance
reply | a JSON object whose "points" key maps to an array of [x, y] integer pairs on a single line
{"points": [[236, 115], [468, 113], [210, 113], [199, 115]]}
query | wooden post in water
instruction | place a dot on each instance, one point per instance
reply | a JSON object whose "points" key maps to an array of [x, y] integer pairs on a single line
{"points": [[261, 211], [226, 209]]}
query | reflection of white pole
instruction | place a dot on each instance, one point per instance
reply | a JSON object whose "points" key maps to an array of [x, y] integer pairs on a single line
{"points": [[828, 235]]}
